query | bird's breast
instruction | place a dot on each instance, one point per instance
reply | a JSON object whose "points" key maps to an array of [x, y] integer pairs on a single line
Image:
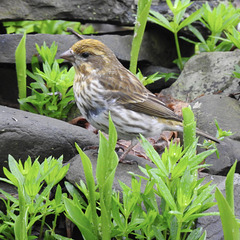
{"points": [[89, 98]]}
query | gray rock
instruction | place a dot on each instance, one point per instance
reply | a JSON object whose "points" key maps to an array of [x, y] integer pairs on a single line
{"points": [[75, 172], [26, 134], [227, 112], [100, 11], [120, 45], [212, 224], [111, 11], [206, 73]]}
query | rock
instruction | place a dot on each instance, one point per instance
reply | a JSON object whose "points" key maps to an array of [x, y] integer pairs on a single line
{"points": [[206, 73], [99, 11], [26, 134], [227, 112], [110, 11], [120, 45], [212, 224], [75, 172]]}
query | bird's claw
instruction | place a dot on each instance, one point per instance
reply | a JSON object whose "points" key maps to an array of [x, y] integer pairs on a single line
{"points": [[130, 162]]}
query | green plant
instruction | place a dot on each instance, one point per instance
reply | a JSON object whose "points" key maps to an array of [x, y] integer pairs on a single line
{"points": [[183, 198], [189, 133], [20, 58], [210, 44], [233, 36], [89, 223], [33, 203], [173, 181], [226, 15], [52, 93], [177, 23], [220, 135], [47, 27], [231, 225], [236, 73], [154, 77], [227, 18], [141, 20]]}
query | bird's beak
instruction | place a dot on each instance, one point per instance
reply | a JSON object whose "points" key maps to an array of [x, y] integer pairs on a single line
{"points": [[68, 55]]}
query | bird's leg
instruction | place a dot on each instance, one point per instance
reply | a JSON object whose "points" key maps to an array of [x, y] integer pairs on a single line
{"points": [[129, 148]]}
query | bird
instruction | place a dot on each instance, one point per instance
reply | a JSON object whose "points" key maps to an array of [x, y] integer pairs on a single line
{"points": [[102, 85]]}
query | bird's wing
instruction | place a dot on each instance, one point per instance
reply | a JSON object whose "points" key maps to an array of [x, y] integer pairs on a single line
{"points": [[154, 107], [127, 90]]}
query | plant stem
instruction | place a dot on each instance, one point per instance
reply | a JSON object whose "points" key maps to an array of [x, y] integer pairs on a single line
{"points": [[179, 230], [41, 228], [54, 222], [141, 20], [178, 51], [189, 227]]}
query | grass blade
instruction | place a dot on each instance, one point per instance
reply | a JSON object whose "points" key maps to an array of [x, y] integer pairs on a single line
{"points": [[20, 58], [229, 222]]}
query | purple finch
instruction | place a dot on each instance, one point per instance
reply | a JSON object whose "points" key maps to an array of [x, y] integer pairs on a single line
{"points": [[103, 84]]}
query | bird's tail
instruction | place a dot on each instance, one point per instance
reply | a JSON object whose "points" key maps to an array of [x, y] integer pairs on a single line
{"points": [[199, 132]]}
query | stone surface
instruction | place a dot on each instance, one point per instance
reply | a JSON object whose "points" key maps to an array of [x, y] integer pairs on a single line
{"points": [[206, 73], [92, 10], [157, 54], [111, 11], [212, 224], [24, 134], [75, 172], [227, 112]]}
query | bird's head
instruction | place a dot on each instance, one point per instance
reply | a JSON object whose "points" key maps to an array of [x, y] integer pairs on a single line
{"points": [[89, 54]]}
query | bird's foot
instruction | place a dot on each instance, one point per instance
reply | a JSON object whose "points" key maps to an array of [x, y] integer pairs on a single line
{"points": [[91, 147], [130, 162]]}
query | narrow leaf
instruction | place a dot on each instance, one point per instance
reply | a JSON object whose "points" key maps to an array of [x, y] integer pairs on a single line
{"points": [[229, 185], [20, 58], [229, 222]]}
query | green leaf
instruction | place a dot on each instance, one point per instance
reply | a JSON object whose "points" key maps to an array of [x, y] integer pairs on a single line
{"points": [[196, 160], [185, 190], [229, 222], [229, 185], [190, 19], [154, 156], [189, 129], [204, 236], [106, 166], [197, 34], [12, 179], [13, 166], [142, 14], [160, 20], [72, 190], [76, 215], [87, 167], [195, 234], [59, 237], [20, 58], [173, 227], [198, 201], [20, 228], [164, 191]]}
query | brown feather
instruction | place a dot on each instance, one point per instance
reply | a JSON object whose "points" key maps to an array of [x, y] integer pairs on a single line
{"points": [[131, 93]]}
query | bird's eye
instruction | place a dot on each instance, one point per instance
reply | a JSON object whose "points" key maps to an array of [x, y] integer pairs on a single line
{"points": [[85, 54]]}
